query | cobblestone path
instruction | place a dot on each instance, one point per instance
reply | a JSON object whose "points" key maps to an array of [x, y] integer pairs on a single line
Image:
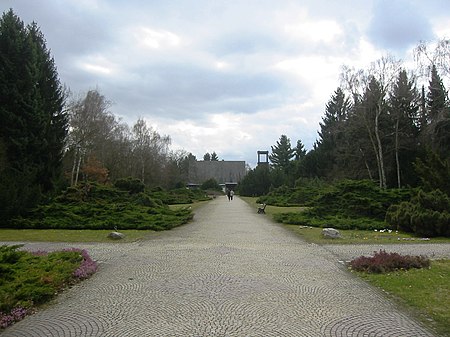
{"points": [[231, 272]]}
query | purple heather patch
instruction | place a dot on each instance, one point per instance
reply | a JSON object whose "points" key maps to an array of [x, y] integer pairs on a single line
{"points": [[87, 266], [86, 269], [15, 315]]}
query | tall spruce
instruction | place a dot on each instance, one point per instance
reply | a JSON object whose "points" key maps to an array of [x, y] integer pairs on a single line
{"points": [[332, 130], [404, 110], [34, 125], [437, 95], [299, 151], [282, 153], [437, 133]]}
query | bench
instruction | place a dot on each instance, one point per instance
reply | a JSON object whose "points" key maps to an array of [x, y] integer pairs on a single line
{"points": [[261, 209]]}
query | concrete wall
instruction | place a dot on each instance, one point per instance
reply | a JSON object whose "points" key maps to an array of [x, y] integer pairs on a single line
{"points": [[221, 171]]}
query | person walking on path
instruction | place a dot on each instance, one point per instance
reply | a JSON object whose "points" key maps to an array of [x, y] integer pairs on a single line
{"points": [[230, 272]]}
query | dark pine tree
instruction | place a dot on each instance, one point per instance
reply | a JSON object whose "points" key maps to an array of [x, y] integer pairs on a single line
{"points": [[404, 109], [437, 133], [214, 157], [332, 132], [33, 127], [53, 121], [207, 157], [299, 151], [282, 153], [437, 95]]}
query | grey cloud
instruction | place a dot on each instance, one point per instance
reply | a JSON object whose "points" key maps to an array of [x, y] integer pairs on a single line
{"points": [[396, 25], [189, 91], [244, 43]]}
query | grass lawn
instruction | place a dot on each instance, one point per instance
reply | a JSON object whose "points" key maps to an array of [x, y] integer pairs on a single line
{"points": [[426, 292], [314, 234], [194, 205], [81, 235], [68, 235]]}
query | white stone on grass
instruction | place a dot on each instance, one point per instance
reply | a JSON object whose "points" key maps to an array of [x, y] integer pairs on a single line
{"points": [[116, 236], [331, 233]]}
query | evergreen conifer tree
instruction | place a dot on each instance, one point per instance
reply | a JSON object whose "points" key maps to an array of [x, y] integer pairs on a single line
{"points": [[437, 95], [34, 126], [405, 112], [214, 157], [282, 153]]}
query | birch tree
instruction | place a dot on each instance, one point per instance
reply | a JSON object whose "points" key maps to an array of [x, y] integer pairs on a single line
{"points": [[379, 79], [87, 118]]}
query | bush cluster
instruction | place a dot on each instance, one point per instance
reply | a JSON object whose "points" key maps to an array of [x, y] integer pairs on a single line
{"points": [[357, 198], [132, 185], [211, 184], [28, 279], [304, 192], [383, 262], [427, 214], [179, 196], [349, 204], [94, 206], [305, 218]]}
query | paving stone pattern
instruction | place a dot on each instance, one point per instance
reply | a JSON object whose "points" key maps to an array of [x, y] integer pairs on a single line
{"points": [[231, 272]]}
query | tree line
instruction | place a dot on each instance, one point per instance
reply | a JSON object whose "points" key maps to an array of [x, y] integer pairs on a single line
{"points": [[379, 124], [101, 147], [50, 139]]}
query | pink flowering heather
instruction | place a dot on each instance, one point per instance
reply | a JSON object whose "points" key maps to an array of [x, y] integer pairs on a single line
{"points": [[383, 262], [87, 266], [15, 315], [39, 253]]}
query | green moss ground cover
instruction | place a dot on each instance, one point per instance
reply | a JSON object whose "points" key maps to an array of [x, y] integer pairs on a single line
{"points": [[30, 279]]}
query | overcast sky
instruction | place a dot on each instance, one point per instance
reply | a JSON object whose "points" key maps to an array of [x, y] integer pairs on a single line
{"points": [[226, 76]]}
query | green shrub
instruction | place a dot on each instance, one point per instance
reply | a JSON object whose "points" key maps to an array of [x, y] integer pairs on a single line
{"points": [[35, 278], [93, 206], [346, 205], [427, 214], [132, 185], [211, 184], [145, 200], [338, 222], [180, 196], [302, 194], [358, 198]]}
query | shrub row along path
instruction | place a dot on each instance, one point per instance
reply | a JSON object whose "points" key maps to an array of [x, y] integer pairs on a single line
{"points": [[231, 272]]}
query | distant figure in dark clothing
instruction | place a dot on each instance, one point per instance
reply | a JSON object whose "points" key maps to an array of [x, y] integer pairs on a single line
{"points": [[229, 195]]}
